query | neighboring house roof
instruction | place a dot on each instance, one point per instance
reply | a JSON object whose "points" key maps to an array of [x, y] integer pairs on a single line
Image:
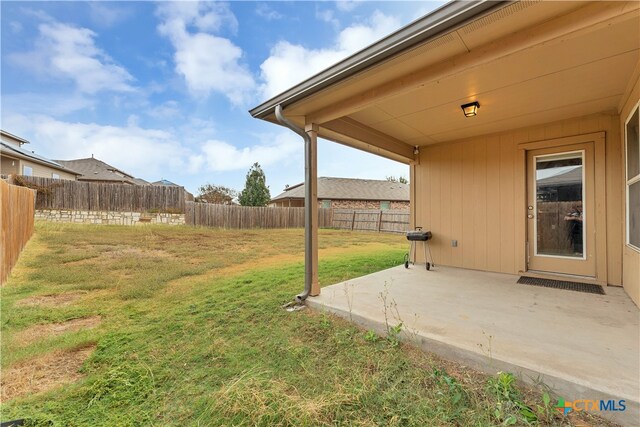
{"points": [[17, 139], [165, 182], [351, 189], [19, 152], [572, 177], [92, 169], [140, 181]]}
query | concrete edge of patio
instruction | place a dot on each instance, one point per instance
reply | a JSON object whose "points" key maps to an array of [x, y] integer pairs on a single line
{"points": [[558, 383]]}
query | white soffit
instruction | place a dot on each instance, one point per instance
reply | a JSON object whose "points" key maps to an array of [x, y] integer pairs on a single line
{"points": [[573, 76]]}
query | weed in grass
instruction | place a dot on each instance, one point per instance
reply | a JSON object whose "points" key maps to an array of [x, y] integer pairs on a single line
{"points": [[487, 349], [348, 293], [390, 308], [371, 336], [510, 407], [325, 321]]}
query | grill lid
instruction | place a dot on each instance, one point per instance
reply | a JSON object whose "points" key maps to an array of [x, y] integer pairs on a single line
{"points": [[421, 236]]}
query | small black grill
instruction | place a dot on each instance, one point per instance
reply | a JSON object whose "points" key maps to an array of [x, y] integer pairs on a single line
{"points": [[418, 235]]}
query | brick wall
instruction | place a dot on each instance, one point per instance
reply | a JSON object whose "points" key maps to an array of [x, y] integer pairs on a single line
{"points": [[109, 217]]}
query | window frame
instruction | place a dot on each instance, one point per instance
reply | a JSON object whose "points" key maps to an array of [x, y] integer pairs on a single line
{"points": [[327, 202], [382, 202], [24, 169], [629, 181], [55, 175]]}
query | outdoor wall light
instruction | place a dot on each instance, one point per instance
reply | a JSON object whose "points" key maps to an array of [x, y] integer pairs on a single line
{"points": [[470, 109]]}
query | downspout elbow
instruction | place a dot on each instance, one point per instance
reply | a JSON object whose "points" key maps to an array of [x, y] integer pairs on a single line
{"points": [[289, 124]]}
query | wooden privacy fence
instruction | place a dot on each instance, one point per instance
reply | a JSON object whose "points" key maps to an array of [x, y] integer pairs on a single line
{"points": [[89, 196], [245, 217], [555, 233], [16, 216], [389, 221]]}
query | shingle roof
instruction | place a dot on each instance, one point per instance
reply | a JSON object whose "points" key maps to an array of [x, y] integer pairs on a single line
{"points": [[571, 177], [351, 189], [23, 153], [140, 181], [165, 182], [93, 169], [14, 137]]}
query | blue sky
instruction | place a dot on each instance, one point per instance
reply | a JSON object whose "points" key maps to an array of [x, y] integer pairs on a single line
{"points": [[162, 89]]}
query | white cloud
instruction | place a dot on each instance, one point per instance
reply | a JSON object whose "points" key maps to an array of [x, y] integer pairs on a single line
{"points": [[152, 153], [207, 62], [70, 52], [166, 110], [268, 13], [15, 26], [220, 156], [289, 64], [338, 160], [108, 14], [52, 104], [358, 36], [328, 16], [143, 152], [347, 5]]}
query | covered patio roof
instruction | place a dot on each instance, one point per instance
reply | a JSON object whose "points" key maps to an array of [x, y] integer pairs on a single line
{"points": [[525, 63]]}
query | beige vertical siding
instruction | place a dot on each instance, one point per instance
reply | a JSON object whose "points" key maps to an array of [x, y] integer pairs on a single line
{"points": [[9, 166], [43, 171], [630, 257], [468, 191]]}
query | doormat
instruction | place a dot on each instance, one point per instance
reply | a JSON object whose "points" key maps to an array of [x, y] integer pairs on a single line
{"points": [[562, 284]]}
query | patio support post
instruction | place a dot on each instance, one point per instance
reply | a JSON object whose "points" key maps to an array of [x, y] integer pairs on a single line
{"points": [[311, 206]]}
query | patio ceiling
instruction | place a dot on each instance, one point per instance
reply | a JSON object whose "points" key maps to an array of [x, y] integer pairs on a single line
{"points": [[525, 63]]}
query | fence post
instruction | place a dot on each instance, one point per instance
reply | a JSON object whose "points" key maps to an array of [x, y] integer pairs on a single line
{"points": [[353, 220], [379, 220]]}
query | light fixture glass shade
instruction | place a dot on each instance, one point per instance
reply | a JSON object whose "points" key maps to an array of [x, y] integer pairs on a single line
{"points": [[470, 109]]}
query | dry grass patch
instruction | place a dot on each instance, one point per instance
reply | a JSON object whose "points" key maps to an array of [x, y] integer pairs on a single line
{"points": [[43, 373], [47, 330], [259, 399], [185, 284], [52, 300], [131, 252]]}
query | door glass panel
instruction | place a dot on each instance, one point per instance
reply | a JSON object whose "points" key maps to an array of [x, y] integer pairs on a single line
{"points": [[559, 205]]}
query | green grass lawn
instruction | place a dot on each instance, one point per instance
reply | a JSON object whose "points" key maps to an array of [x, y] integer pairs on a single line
{"points": [[188, 329]]}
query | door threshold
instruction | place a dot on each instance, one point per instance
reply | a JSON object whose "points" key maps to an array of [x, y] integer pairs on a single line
{"points": [[562, 276]]}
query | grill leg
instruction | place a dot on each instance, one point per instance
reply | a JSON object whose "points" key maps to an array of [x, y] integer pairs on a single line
{"points": [[412, 252], [426, 260]]}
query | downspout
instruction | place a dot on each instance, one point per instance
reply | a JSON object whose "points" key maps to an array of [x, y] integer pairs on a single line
{"points": [[308, 215]]}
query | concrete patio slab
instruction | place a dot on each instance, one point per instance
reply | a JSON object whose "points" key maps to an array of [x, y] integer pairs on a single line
{"points": [[583, 346]]}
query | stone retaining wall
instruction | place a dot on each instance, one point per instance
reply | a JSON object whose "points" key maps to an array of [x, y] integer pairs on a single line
{"points": [[109, 217], [365, 204]]}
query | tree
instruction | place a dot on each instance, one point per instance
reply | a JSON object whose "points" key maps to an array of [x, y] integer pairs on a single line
{"points": [[255, 192], [216, 194], [400, 179]]}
